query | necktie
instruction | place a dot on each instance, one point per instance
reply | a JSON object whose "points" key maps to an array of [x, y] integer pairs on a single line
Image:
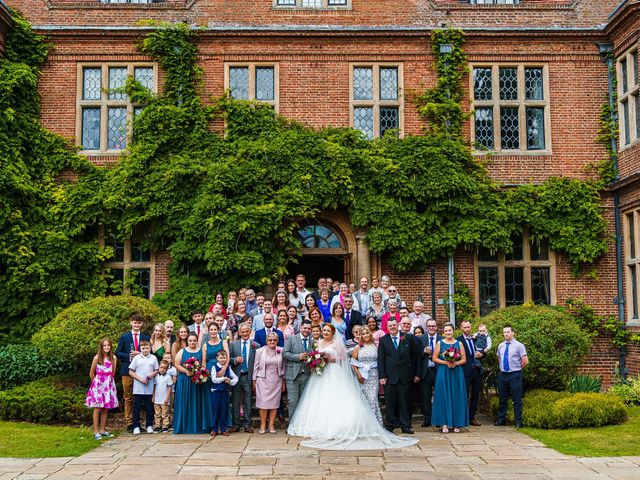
{"points": [[348, 317], [135, 342], [244, 356], [305, 342], [505, 358], [198, 330], [260, 311], [431, 343], [395, 342]]}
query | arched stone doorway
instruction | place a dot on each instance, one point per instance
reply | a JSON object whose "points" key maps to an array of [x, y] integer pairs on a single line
{"points": [[330, 247]]}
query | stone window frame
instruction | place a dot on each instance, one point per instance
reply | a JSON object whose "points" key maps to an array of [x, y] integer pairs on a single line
{"points": [[521, 103], [104, 103], [252, 80], [526, 263], [631, 232], [376, 103], [127, 264], [324, 5], [628, 118]]}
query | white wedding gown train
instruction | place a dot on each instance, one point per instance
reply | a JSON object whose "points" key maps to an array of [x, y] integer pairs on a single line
{"points": [[335, 414]]}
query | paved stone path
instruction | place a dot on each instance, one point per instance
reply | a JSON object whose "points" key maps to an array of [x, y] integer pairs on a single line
{"points": [[487, 453]]}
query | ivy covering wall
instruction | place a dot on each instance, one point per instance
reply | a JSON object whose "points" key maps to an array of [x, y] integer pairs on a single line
{"points": [[227, 207]]}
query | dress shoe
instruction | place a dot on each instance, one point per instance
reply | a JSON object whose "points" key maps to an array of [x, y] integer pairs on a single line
{"points": [[233, 429], [214, 434], [475, 423], [499, 424], [426, 424], [224, 434], [389, 428], [248, 430], [129, 428], [407, 430]]}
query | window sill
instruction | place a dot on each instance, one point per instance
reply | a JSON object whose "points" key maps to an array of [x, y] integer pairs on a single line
{"points": [[512, 153]]}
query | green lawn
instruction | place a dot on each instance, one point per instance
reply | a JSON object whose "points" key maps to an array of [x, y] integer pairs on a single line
{"points": [[612, 440], [29, 440]]}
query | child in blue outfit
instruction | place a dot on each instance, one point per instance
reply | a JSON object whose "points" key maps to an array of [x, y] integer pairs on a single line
{"points": [[220, 394]]}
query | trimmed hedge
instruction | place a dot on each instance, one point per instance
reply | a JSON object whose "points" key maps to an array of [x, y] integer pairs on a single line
{"points": [[555, 343], [23, 363], [58, 399], [552, 410], [73, 335]]}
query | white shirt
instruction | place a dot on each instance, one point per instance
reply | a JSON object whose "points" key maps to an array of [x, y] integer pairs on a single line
{"points": [[143, 366], [336, 299], [163, 387], [216, 379]]}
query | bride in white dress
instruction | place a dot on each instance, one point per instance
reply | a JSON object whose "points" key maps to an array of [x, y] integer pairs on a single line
{"points": [[333, 410]]}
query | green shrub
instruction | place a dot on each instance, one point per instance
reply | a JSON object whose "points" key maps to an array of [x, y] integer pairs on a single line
{"points": [[628, 392], [584, 383], [552, 409], [23, 363], [555, 344], [73, 335], [58, 399]]}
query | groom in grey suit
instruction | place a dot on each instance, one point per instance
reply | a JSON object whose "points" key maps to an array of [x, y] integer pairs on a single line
{"points": [[296, 374]]}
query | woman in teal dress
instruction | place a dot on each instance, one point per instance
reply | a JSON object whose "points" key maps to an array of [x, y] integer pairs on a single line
{"points": [[192, 407], [209, 352], [450, 408]]}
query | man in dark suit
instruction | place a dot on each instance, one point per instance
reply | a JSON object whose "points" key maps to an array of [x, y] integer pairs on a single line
{"points": [[472, 371], [261, 335], [128, 347], [397, 366], [351, 316], [427, 369], [242, 353]]}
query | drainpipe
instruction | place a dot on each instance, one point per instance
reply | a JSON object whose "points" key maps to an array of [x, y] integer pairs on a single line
{"points": [[452, 305], [606, 51]]}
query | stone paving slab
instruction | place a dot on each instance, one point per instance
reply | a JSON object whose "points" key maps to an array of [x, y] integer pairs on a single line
{"points": [[480, 453]]}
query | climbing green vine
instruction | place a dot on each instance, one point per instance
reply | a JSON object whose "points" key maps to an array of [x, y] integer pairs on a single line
{"points": [[227, 207]]}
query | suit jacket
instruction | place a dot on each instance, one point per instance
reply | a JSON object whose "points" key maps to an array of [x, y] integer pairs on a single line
{"points": [[125, 345], [261, 337], [423, 358], [359, 296], [397, 365], [354, 319], [293, 347], [235, 350], [260, 365], [470, 364], [192, 327]]}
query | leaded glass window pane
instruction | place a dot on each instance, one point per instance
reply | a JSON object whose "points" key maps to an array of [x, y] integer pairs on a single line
{"points": [[539, 250], [389, 119], [510, 128], [623, 71], [634, 59], [514, 286], [144, 75], [540, 285], [312, 3], [239, 82], [631, 225], [116, 128], [337, 2], [484, 127], [533, 86], [137, 111], [265, 83], [140, 253], [91, 83], [508, 83], [91, 128], [363, 84], [634, 290], [118, 247], [363, 120], [482, 84], [517, 252], [489, 288], [291, 3], [388, 83], [535, 128], [142, 286], [117, 79], [625, 113], [318, 236], [636, 99]]}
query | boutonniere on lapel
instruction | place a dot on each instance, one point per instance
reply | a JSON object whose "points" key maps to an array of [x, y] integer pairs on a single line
{"points": [[401, 338], [278, 350]]}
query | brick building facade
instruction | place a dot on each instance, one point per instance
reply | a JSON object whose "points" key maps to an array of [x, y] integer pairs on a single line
{"points": [[537, 84]]}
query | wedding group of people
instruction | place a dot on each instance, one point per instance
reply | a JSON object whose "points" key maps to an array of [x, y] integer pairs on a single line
{"points": [[256, 350]]}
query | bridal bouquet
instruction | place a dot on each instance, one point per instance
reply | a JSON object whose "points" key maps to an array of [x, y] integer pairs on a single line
{"points": [[451, 355], [200, 373], [316, 361]]}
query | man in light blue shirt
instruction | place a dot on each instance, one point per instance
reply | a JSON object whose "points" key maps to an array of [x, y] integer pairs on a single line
{"points": [[512, 358]]}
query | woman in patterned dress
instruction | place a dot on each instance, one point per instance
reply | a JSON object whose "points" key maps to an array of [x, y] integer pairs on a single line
{"points": [[364, 362]]}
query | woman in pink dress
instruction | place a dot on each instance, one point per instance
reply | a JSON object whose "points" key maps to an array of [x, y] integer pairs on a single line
{"points": [[268, 381], [102, 393]]}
